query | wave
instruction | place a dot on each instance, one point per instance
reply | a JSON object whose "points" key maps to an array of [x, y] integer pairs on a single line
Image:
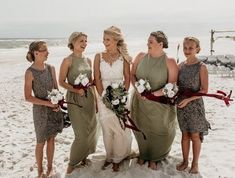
{"points": [[11, 43]]}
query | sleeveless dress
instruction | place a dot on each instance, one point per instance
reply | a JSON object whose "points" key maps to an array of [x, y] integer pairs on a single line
{"points": [[154, 119], [47, 122], [191, 118], [117, 141], [83, 119]]}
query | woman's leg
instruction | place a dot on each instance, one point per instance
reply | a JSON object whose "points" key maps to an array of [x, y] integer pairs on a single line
{"points": [[50, 154], [39, 157], [185, 145], [196, 152]]}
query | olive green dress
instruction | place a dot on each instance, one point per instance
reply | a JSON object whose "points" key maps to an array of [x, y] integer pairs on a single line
{"points": [[83, 119], [154, 119]]}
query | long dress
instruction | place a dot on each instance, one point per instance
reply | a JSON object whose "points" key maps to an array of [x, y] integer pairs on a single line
{"points": [[117, 141], [191, 118], [83, 119], [154, 119], [47, 123]]}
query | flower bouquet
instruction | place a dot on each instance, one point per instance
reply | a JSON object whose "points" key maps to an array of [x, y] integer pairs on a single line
{"points": [[82, 82], [142, 86], [114, 97], [57, 97], [170, 92]]}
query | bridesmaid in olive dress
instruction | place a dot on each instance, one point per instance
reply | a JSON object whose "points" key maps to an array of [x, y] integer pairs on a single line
{"points": [[155, 119], [83, 118]]}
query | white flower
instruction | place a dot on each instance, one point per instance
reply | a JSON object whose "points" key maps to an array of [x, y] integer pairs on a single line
{"points": [[81, 78], [148, 86], [137, 84], [54, 100], [60, 96], [123, 100], [115, 102], [115, 85], [141, 81], [169, 86], [140, 88], [171, 94], [77, 81], [85, 81]]}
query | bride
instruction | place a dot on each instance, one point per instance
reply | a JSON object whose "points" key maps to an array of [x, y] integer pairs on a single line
{"points": [[112, 66]]}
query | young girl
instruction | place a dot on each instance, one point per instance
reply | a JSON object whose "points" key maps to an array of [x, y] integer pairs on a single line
{"points": [[40, 78], [193, 77]]}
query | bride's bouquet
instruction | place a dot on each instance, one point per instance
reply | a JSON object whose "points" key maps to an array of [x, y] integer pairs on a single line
{"points": [[82, 82], [115, 98]]}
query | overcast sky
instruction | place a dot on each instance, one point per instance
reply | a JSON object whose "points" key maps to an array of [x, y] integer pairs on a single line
{"points": [[57, 18]]}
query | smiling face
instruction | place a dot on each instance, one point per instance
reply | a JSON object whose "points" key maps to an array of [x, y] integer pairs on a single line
{"points": [[153, 45], [109, 42], [190, 48], [80, 44], [42, 52]]}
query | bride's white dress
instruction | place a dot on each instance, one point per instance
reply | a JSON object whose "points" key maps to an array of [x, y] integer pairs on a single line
{"points": [[117, 141]]}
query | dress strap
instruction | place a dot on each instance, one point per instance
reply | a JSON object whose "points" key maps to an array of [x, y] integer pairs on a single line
{"points": [[101, 57]]}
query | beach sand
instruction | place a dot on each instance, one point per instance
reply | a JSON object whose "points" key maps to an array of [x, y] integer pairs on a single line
{"points": [[17, 137]]}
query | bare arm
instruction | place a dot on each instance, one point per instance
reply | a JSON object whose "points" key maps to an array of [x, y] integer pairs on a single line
{"points": [[64, 69], [126, 75], [97, 75], [28, 92], [136, 62], [54, 76], [90, 64], [172, 71]]}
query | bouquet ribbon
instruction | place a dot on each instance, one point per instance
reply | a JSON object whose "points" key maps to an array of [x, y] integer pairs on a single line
{"points": [[79, 87], [160, 99], [221, 95], [132, 124], [62, 102]]}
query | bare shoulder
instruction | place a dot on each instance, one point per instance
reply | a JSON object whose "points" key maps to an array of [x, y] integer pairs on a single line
{"points": [[28, 75], [67, 60], [203, 67], [171, 61], [139, 57]]}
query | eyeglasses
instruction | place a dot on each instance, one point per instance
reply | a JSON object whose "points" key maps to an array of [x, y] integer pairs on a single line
{"points": [[42, 50]]}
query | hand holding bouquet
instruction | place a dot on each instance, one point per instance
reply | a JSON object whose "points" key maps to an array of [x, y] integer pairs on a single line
{"points": [[82, 82], [142, 86], [170, 90]]}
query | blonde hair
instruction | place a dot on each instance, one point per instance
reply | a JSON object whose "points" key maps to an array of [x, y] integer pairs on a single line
{"points": [[34, 46], [160, 37], [195, 40], [73, 37], [116, 33]]}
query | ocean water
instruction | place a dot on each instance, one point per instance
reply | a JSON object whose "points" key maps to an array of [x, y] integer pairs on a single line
{"points": [[11, 47]]}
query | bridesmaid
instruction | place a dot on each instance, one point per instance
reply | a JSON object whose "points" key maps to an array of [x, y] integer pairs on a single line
{"points": [[83, 118], [155, 119], [40, 78]]}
